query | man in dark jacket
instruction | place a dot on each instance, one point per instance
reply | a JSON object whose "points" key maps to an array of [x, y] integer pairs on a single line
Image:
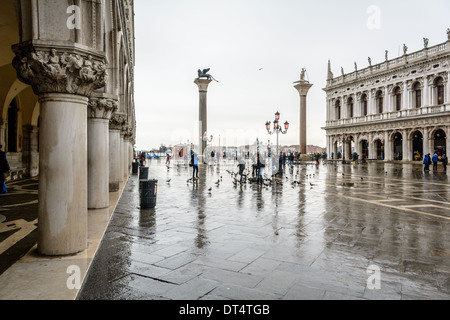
{"points": [[444, 160], [4, 168]]}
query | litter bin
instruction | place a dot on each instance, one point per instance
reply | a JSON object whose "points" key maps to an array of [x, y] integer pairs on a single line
{"points": [[148, 193], [143, 173], [135, 167]]}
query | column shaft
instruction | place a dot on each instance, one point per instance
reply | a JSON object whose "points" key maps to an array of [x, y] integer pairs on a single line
{"points": [[98, 163], [114, 160], [63, 174]]}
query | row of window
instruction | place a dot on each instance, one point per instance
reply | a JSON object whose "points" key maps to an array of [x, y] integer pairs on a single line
{"points": [[379, 98]]}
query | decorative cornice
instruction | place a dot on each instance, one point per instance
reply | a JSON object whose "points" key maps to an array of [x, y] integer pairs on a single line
{"points": [[59, 71]]}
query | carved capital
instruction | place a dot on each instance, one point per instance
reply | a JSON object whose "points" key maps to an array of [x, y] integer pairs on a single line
{"points": [[50, 70], [102, 108], [129, 133], [117, 121]]}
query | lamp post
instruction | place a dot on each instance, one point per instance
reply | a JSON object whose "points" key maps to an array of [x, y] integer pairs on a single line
{"points": [[277, 129], [205, 139]]}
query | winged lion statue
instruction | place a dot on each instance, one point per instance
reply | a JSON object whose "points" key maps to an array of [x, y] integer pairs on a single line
{"points": [[204, 74]]}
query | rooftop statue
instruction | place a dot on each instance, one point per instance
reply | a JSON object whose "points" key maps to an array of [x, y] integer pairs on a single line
{"points": [[204, 74]]}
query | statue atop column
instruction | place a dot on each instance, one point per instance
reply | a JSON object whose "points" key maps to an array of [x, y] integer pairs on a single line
{"points": [[204, 74]]}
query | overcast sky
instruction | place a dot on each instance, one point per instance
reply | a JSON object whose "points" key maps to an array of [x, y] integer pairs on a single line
{"points": [[236, 38]]}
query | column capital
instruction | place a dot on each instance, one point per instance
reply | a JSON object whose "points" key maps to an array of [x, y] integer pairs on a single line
{"points": [[303, 87], [117, 121], [60, 68], [102, 107], [202, 84]]}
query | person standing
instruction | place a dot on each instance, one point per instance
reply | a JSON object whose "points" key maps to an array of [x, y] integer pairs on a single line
{"points": [[213, 155], [291, 160], [444, 160], [195, 163], [435, 161], [280, 164], [241, 166], [4, 168], [427, 162]]}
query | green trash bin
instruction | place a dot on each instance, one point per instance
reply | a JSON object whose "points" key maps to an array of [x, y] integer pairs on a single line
{"points": [[135, 168], [148, 193], [143, 173]]}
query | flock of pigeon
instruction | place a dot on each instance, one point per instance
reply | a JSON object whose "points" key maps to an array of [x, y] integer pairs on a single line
{"points": [[265, 180]]}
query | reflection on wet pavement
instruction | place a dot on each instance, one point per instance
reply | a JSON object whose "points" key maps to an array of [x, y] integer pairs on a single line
{"points": [[311, 235]]}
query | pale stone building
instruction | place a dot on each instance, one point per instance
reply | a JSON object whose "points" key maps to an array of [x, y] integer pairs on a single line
{"points": [[67, 107], [395, 110]]}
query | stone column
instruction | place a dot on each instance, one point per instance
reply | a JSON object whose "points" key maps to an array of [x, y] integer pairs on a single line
{"points": [[30, 153], [426, 141], [371, 147], [387, 147], [328, 147], [121, 156], [115, 126], [126, 153], [101, 108], [358, 145], [203, 113], [447, 147], [426, 93], [446, 78], [303, 88], [405, 146], [63, 77]]}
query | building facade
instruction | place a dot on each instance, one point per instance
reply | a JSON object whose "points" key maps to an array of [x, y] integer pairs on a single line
{"points": [[395, 110], [67, 108]]}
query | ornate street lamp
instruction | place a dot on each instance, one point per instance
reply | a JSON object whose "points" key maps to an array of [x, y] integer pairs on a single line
{"points": [[205, 139], [277, 129]]}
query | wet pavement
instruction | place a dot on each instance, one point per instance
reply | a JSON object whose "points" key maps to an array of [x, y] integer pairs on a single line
{"points": [[18, 229], [378, 231]]}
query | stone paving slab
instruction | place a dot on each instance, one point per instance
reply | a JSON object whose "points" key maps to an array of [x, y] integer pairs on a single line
{"points": [[217, 240]]}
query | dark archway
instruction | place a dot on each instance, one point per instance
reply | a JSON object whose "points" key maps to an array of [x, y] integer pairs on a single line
{"points": [[365, 148], [440, 139], [398, 146], [380, 149], [417, 146]]}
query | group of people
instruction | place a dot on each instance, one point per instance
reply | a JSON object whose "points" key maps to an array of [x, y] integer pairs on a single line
{"points": [[4, 168], [434, 160]]}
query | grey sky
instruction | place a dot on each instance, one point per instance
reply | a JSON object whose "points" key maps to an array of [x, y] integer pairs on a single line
{"points": [[235, 38]]}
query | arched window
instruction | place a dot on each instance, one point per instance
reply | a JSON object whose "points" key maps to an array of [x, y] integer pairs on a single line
{"points": [[440, 89], [365, 101], [350, 107], [380, 103], [338, 110], [418, 95], [398, 99]]}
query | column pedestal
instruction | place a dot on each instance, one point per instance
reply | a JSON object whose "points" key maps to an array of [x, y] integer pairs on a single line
{"points": [[63, 174]]}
